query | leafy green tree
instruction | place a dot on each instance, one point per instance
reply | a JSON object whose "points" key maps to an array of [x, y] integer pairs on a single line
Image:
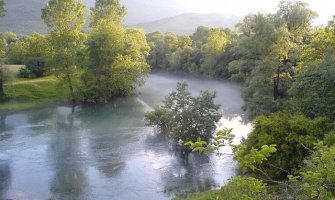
{"points": [[216, 43], [2, 8], [10, 37], [107, 9], [200, 36], [297, 17], [185, 118], [116, 56], [65, 19], [157, 58], [30, 47], [2, 51], [294, 137], [3, 73], [268, 51], [313, 91]]}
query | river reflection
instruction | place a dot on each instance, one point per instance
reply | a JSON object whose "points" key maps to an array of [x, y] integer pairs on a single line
{"points": [[68, 158], [107, 152]]}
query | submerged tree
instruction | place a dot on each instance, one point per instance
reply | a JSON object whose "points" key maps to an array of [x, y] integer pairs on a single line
{"points": [[65, 19], [186, 118]]}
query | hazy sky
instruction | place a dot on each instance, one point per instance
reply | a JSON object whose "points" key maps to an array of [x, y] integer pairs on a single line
{"points": [[325, 8]]}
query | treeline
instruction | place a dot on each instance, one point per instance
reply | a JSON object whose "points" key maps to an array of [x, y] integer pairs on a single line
{"points": [[204, 52], [96, 66], [282, 61]]}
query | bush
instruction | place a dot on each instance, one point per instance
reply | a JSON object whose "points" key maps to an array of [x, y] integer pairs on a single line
{"points": [[37, 67], [24, 73], [294, 137]]}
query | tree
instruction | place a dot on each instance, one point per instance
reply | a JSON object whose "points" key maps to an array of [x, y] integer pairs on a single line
{"points": [[268, 51], [216, 43], [107, 9], [2, 8], [65, 19], [116, 56], [184, 117], [2, 51], [157, 58], [3, 73]]}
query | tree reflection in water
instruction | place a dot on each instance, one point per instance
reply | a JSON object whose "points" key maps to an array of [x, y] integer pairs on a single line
{"points": [[69, 180]]}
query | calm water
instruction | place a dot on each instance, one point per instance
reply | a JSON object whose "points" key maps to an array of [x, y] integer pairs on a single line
{"points": [[107, 152]]}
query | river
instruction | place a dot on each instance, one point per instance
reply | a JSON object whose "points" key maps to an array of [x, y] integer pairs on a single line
{"points": [[107, 152]]}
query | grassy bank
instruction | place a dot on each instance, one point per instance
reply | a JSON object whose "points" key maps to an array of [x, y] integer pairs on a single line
{"points": [[208, 195], [27, 93]]}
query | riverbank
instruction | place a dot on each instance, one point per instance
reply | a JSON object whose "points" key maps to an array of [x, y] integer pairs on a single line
{"points": [[23, 94], [207, 195]]}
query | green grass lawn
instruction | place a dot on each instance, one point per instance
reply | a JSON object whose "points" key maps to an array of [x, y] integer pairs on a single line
{"points": [[27, 93]]}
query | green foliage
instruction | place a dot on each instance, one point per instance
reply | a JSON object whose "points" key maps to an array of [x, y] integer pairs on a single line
{"points": [[313, 91], [24, 72], [201, 53], [107, 9], [294, 137], [20, 51], [267, 53], [2, 8], [185, 118], [251, 160], [237, 188], [37, 67], [243, 188], [220, 139], [318, 175], [64, 20], [116, 56], [315, 178]]}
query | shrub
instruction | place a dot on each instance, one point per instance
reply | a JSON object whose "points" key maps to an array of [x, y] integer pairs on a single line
{"points": [[37, 67], [294, 137], [24, 73]]}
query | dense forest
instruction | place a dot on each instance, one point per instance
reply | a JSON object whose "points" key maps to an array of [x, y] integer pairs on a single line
{"points": [[285, 66]]}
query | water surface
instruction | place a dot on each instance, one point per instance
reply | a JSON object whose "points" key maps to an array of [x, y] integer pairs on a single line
{"points": [[107, 152]]}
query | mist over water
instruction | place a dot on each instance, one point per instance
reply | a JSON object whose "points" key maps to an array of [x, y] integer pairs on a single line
{"points": [[107, 152]]}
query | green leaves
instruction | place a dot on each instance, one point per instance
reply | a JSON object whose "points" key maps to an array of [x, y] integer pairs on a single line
{"points": [[250, 160], [220, 139], [64, 20], [185, 118], [313, 91], [294, 137], [197, 146], [116, 56]]}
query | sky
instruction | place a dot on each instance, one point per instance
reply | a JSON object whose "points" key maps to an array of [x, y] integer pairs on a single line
{"points": [[325, 8]]}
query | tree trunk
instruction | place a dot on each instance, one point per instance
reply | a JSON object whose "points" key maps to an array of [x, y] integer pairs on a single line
{"points": [[69, 81], [276, 85], [2, 92]]}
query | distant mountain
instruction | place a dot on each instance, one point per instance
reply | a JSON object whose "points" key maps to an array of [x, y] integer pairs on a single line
{"points": [[187, 23], [24, 17]]}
